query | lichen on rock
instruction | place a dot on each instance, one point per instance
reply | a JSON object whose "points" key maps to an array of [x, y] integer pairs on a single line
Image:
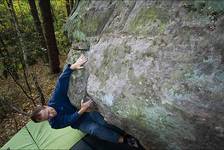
{"points": [[155, 69]]}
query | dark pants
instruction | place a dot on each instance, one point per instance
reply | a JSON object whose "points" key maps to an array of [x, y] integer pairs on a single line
{"points": [[94, 124]]}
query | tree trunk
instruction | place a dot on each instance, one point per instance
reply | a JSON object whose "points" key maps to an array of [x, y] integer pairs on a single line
{"points": [[7, 60], [74, 6], [67, 4], [15, 23], [71, 4], [38, 27], [49, 35]]}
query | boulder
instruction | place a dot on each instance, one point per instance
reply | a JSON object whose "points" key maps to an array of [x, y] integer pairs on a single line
{"points": [[155, 69]]}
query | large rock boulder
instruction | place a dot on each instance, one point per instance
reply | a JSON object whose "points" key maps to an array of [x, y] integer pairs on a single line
{"points": [[155, 69]]}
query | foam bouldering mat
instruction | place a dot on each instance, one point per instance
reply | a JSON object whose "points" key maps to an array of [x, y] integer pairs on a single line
{"points": [[42, 136]]}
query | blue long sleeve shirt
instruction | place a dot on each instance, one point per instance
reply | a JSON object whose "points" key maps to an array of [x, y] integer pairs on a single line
{"points": [[67, 114]]}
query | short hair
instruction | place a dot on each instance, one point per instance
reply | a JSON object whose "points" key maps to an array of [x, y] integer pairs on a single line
{"points": [[36, 114]]}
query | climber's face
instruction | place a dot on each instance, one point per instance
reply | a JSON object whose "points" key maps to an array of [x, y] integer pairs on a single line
{"points": [[46, 113]]}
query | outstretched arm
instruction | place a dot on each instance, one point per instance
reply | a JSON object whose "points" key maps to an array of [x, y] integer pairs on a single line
{"points": [[63, 81]]}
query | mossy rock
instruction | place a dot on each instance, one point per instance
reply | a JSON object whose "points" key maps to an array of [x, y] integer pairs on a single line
{"points": [[155, 69]]}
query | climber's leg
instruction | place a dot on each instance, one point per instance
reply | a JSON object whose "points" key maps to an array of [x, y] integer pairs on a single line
{"points": [[98, 118], [100, 131]]}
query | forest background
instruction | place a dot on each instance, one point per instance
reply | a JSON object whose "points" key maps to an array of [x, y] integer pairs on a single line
{"points": [[26, 74]]}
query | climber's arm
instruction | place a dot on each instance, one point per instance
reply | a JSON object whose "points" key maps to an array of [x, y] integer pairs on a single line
{"points": [[63, 81]]}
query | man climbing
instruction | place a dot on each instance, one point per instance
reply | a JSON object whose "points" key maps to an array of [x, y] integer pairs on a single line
{"points": [[61, 113]]}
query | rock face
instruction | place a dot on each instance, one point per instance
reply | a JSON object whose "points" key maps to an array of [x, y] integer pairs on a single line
{"points": [[155, 69]]}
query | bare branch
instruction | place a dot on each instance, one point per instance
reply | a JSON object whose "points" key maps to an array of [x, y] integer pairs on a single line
{"points": [[21, 87], [8, 103], [19, 111], [39, 90]]}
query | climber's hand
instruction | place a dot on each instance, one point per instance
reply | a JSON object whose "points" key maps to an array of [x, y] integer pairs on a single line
{"points": [[79, 63], [85, 106]]}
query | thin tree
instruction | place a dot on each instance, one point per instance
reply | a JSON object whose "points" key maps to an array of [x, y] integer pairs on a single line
{"points": [[37, 24], [49, 35], [7, 60], [24, 61], [19, 35], [38, 89], [68, 7], [71, 5], [74, 5]]}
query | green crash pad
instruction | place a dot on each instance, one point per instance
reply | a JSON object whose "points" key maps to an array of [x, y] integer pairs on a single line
{"points": [[42, 136]]}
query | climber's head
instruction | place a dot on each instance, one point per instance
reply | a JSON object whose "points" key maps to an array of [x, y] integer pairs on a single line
{"points": [[43, 113]]}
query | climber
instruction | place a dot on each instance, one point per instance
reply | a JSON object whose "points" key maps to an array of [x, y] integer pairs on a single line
{"points": [[61, 113]]}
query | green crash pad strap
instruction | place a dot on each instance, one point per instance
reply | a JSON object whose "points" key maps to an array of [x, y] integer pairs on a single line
{"points": [[32, 137]]}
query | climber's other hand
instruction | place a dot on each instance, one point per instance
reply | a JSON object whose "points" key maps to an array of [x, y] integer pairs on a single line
{"points": [[85, 106], [79, 63]]}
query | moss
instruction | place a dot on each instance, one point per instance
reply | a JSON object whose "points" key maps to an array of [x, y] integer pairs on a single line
{"points": [[132, 106], [158, 118], [86, 23], [120, 105], [162, 27], [176, 109], [79, 36], [113, 59], [135, 113], [94, 21], [210, 11], [204, 6], [148, 16], [90, 24], [111, 56]]}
